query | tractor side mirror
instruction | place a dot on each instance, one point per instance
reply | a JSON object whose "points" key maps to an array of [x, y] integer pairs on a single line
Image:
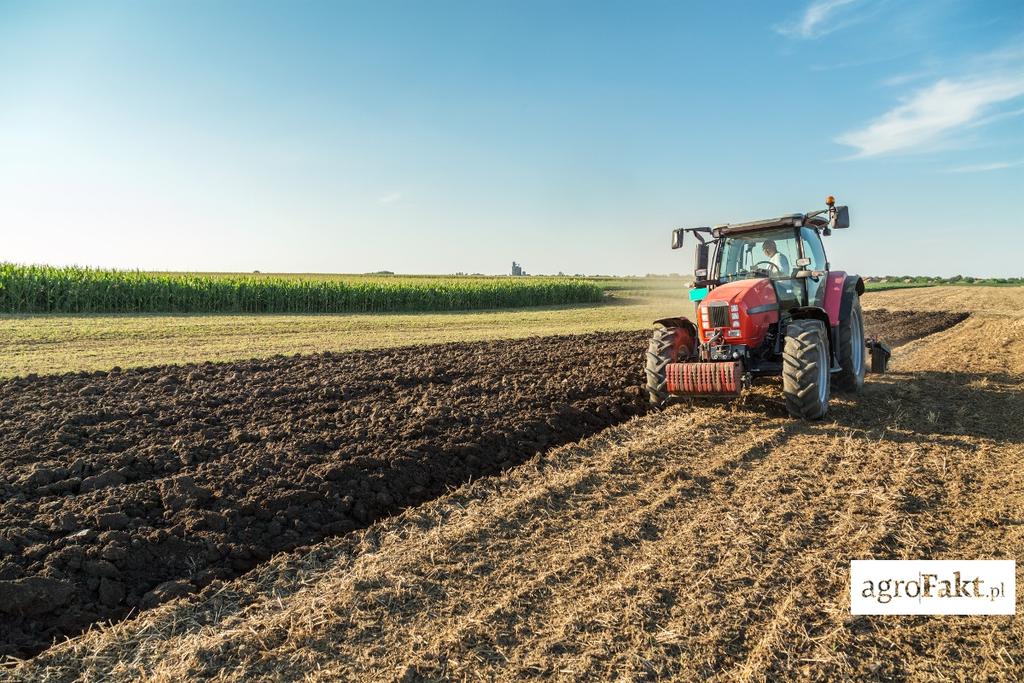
{"points": [[700, 261], [677, 237], [839, 218]]}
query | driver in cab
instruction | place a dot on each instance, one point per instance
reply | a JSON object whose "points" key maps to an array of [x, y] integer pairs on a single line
{"points": [[777, 258]]}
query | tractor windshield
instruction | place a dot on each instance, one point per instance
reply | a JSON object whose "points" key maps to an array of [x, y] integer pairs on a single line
{"points": [[766, 253]]}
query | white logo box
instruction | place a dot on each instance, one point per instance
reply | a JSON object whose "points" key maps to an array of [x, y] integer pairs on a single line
{"points": [[933, 587]]}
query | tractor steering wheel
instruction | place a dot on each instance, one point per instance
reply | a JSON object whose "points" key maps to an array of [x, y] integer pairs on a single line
{"points": [[770, 266]]}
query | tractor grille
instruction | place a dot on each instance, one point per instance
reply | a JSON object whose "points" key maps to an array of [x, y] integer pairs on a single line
{"points": [[719, 316]]}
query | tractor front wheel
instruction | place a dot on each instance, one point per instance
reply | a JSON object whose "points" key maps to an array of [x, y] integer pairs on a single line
{"points": [[660, 353], [805, 369]]}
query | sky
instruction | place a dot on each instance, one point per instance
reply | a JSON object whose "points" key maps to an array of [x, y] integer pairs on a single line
{"points": [[439, 137]]}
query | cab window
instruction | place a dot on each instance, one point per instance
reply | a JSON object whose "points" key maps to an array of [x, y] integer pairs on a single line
{"points": [[813, 249], [765, 253]]}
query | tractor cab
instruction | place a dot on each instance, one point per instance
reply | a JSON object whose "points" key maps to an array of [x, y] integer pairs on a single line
{"points": [[788, 251], [764, 294], [792, 258]]}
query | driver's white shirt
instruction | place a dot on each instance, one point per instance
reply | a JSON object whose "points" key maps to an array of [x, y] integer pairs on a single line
{"points": [[781, 262]]}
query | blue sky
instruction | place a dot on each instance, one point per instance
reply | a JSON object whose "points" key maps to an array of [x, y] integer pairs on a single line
{"points": [[438, 137]]}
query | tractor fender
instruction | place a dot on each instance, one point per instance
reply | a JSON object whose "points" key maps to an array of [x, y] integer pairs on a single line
{"points": [[678, 322], [853, 286], [830, 295], [684, 341], [817, 313]]}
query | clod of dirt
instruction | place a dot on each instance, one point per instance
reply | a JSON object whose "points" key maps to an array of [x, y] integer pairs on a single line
{"points": [[33, 595], [111, 592], [102, 481]]}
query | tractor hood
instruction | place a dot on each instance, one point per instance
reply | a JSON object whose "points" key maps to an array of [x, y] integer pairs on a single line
{"points": [[745, 293], [756, 307]]}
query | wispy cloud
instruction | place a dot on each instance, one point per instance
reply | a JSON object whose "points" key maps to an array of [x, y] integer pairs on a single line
{"points": [[856, 63], [981, 168], [815, 21], [1013, 113], [925, 118], [389, 198], [904, 78]]}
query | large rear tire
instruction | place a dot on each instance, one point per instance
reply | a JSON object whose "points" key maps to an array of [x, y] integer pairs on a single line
{"points": [[805, 369], [851, 350], [659, 354]]}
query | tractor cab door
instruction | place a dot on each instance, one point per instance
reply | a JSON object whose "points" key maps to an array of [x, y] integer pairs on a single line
{"points": [[789, 290], [794, 292], [813, 249]]}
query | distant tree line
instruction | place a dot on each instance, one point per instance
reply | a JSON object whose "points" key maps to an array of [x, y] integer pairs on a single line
{"points": [[956, 279]]}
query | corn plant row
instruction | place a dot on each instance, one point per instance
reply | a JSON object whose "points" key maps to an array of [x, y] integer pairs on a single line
{"points": [[45, 289]]}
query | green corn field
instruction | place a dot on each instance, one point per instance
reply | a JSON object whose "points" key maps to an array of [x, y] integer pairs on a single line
{"points": [[45, 289]]}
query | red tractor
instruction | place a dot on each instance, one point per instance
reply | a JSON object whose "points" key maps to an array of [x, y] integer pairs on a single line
{"points": [[770, 305]]}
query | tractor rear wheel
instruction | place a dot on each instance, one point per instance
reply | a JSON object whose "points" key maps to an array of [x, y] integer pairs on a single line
{"points": [[805, 369], [851, 350], [659, 354]]}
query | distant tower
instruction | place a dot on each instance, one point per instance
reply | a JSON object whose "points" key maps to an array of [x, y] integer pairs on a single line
{"points": [[516, 269]]}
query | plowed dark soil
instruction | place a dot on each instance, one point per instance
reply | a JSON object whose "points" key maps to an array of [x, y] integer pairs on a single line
{"points": [[116, 483], [899, 327], [121, 490]]}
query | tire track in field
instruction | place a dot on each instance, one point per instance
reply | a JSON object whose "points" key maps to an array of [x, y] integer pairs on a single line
{"points": [[606, 532]]}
